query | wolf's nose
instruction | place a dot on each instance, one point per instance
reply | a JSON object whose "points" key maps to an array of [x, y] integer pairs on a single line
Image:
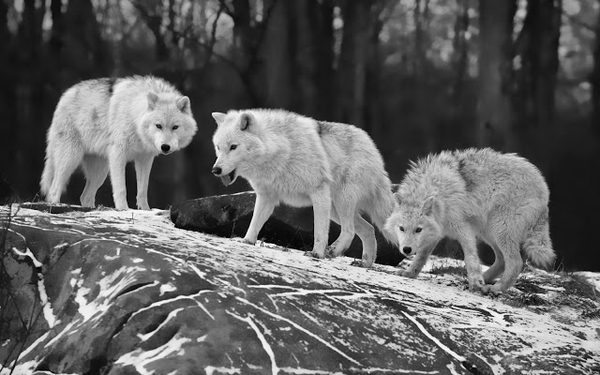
{"points": [[165, 148], [217, 171], [407, 250]]}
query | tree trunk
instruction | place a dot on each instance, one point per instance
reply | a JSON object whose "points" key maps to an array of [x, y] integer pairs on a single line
{"points": [[353, 61], [153, 19], [56, 38], [277, 57], [495, 73], [420, 70], [8, 131], [461, 111], [460, 45], [537, 48], [242, 32], [89, 55], [313, 56], [324, 74], [595, 83], [374, 107]]}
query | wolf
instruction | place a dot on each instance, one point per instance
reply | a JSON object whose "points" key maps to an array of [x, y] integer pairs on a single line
{"points": [[296, 160], [501, 199], [101, 124]]}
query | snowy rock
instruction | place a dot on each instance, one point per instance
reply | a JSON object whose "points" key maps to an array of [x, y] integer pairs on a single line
{"points": [[229, 216], [126, 292]]}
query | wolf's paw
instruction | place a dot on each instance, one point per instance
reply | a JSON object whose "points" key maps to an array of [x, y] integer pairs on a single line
{"points": [[361, 263], [314, 254], [407, 273], [494, 289], [329, 252], [243, 240], [476, 282]]}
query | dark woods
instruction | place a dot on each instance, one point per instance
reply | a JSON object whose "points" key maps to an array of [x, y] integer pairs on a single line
{"points": [[419, 75]]}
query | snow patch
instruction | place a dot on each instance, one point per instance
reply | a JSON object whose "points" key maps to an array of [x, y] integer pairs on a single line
{"points": [[140, 358], [165, 288]]}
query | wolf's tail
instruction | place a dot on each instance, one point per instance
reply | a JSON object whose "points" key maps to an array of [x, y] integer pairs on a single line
{"points": [[538, 246], [382, 206], [48, 173]]}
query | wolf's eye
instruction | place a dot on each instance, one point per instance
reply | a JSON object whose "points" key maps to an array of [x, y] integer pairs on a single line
{"points": [[418, 230], [233, 147], [158, 126], [401, 229], [175, 127]]}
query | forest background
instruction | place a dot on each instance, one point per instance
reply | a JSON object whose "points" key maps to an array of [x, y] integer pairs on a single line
{"points": [[419, 76]]}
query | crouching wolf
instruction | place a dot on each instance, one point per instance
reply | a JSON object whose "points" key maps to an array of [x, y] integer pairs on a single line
{"points": [[291, 159], [102, 124], [501, 199]]}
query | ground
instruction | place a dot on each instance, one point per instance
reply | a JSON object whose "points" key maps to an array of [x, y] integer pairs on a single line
{"points": [[125, 292]]}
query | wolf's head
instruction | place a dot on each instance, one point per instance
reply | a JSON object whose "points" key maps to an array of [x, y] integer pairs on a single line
{"points": [[168, 123], [237, 144], [417, 226]]}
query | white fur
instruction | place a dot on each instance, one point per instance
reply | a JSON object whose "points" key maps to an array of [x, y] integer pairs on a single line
{"points": [[298, 161], [501, 199], [102, 124]]}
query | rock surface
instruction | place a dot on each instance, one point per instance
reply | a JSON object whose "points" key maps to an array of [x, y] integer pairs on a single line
{"points": [[125, 292], [229, 216]]}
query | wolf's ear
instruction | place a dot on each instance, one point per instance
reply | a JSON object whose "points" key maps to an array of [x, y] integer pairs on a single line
{"points": [[219, 117], [152, 99], [432, 207], [246, 121], [183, 104]]}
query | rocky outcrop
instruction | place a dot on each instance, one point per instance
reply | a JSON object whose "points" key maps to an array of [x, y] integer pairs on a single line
{"points": [[291, 227], [126, 292]]}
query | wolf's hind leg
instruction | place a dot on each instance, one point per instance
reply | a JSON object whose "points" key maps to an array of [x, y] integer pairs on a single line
{"points": [[345, 217], [95, 169], [366, 232], [496, 268], [513, 263], [67, 158]]}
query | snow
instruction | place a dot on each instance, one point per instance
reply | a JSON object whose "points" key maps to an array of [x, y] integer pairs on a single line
{"points": [[140, 359]]}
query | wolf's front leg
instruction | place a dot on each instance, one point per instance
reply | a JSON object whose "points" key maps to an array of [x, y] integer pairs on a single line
{"points": [[143, 165], [469, 245], [116, 163], [321, 201], [263, 208], [417, 262]]}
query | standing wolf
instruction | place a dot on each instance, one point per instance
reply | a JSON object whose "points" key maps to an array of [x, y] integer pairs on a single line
{"points": [[102, 124], [296, 160], [501, 199]]}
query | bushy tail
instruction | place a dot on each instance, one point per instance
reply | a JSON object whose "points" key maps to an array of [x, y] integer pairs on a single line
{"points": [[538, 246], [47, 174], [381, 207]]}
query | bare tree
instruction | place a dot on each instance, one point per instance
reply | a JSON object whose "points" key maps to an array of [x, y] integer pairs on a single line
{"points": [[595, 82], [495, 113], [351, 75], [537, 49], [151, 12]]}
